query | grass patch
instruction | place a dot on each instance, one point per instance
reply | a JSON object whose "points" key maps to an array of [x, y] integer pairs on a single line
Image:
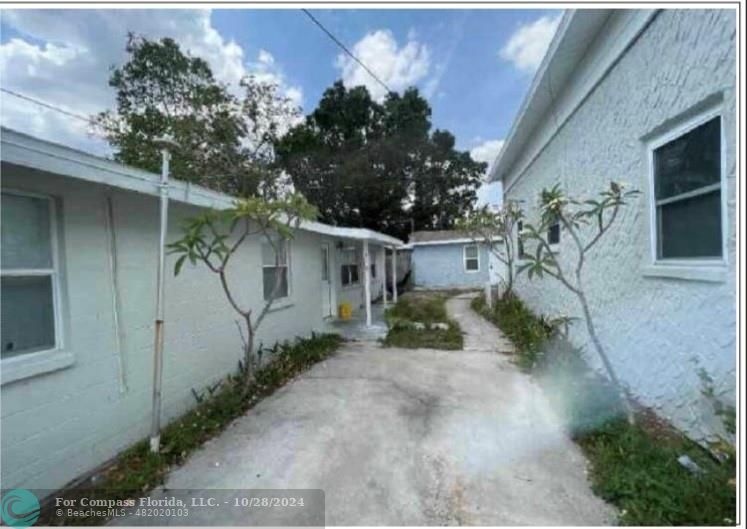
{"points": [[426, 309], [136, 470], [637, 470], [633, 467], [528, 332]]}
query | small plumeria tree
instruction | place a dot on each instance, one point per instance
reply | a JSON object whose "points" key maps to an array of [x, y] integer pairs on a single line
{"points": [[495, 230], [213, 238], [577, 218]]}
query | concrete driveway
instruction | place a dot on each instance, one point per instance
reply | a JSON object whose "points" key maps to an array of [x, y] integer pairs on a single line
{"points": [[409, 437]]}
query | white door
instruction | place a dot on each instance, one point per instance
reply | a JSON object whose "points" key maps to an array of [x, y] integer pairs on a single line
{"points": [[326, 283]]}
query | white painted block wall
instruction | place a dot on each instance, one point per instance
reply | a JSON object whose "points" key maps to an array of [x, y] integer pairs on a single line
{"points": [[654, 328], [58, 425]]}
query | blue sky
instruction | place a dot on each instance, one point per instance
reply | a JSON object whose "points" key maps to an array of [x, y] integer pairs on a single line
{"points": [[478, 93], [474, 66]]}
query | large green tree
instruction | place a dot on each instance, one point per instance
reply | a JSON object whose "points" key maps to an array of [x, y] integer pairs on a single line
{"points": [[226, 139], [378, 165]]}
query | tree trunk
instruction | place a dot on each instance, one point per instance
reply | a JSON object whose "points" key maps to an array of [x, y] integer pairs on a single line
{"points": [[249, 354], [626, 398]]}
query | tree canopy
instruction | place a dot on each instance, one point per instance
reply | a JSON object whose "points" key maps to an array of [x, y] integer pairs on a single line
{"points": [[361, 162], [379, 165], [226, 140]]}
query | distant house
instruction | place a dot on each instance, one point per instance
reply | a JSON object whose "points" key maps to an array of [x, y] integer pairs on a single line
{"points": [[449, 259], [646, 97], [79, 255]]}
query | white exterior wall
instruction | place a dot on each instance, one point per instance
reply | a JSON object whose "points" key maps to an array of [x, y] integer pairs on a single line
{"points": [[654, 327], [58, 425]]}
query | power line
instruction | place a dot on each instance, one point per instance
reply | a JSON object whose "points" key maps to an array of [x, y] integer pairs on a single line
{"points": [[345, 49], [48, 106]]}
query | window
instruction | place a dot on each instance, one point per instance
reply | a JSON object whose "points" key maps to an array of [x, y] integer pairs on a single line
{"points": [[349, 260], [520, 240], [687, 198], [271, 267], [373, 270], [471, 258], [29, 311], [553, 234]]}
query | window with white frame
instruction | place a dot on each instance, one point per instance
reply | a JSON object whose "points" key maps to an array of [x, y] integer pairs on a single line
{"points": [[471, 258], [29, 311], [349, 263], [687, 202], [275, 273]]}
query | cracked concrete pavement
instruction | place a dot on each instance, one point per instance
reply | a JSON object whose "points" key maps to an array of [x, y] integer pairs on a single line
{"points": [[409, 437]]}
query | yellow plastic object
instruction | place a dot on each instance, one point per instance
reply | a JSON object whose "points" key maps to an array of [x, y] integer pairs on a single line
{"points": [[346, 311]]}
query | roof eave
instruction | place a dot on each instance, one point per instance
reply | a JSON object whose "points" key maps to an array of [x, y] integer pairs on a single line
{"points": [[25, 150]]}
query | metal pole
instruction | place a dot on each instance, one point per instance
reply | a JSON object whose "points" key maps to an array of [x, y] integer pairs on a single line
{"points": [[394, 274], [383, 274], [155, 430], [367, 281]]}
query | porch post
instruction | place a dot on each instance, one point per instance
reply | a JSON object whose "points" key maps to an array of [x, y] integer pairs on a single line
{"points": [[367, 281], [394, 274], [383, 274]]}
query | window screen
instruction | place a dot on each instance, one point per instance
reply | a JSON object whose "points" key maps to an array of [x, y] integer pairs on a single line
{"points": [[27, 317], [687, 190], [471, 258], [275, 269]]}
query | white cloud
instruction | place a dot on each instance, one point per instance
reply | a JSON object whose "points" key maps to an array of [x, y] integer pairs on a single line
{"points": [[487, 152], [64, 57], [528, 44], [490, 192], [398, 67], [264, 69]]}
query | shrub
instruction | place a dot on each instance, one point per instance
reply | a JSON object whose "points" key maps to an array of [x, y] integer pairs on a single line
{"points": [[527, 332], [137, 469]]}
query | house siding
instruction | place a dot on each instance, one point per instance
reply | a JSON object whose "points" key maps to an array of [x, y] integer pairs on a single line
{"points": [[442, 266], [655, 329], [58, 425]]}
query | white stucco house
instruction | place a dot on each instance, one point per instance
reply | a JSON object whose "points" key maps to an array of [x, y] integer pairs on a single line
{"points": [[646, 97], [79, 257], [444, 259]]}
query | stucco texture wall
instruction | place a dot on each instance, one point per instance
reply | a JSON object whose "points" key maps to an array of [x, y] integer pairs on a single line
{"points": [[658, 330], [58, 425], [442, 266]]}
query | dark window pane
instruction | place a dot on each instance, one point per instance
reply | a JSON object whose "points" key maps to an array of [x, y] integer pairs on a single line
{"points": [[353, 273], [690, 162], [553, 234], [27, 315], [25, 232], [520, 239], [473, 264], [344, 275], [269, 279], [691, 227]]}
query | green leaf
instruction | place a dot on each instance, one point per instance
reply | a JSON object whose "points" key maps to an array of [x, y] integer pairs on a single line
{"points": [[178, 264]]}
